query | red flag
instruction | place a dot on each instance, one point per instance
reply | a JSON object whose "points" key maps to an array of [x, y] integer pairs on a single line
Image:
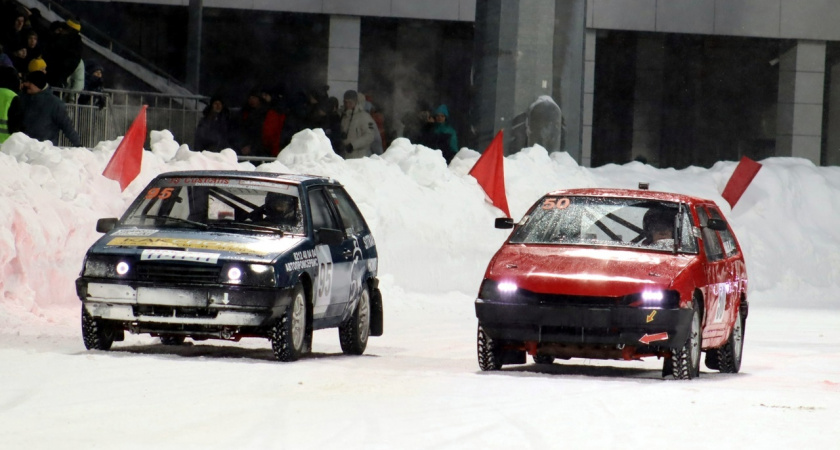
{"points": [[740, 180], [489, 171], [124, 165]]}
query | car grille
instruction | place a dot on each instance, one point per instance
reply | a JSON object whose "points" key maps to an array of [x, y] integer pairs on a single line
{"points": [[178, 273], [573, 300], [169, 311]]}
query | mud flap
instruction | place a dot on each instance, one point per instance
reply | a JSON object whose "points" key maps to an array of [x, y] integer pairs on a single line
{"points": [[376, 313]]}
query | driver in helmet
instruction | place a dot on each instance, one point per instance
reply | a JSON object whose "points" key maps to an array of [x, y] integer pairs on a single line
{"points": [[278, 209]]}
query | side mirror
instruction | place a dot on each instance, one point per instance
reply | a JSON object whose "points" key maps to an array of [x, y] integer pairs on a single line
{"points": [[106, 225], [716, 224], [329, 236], [504, 223]]}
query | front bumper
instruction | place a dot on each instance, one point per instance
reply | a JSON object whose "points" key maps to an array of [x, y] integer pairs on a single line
{"points": [[614, 325], [198, 307]]}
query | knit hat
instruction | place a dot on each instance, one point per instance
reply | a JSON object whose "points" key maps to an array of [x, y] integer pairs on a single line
{"points": [[74, 24], [351, 95], [38, 79], [37, 65]]}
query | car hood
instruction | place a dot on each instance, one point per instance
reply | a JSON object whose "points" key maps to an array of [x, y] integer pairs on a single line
{"points": [[585, 270], [175, 244]]}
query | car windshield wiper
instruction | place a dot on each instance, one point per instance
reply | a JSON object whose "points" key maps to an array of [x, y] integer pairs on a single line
{"points": [[176, 219], [245, 226]]}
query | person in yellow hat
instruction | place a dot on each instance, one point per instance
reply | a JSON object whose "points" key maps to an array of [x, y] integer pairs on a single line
{"points": [[37, 65]]}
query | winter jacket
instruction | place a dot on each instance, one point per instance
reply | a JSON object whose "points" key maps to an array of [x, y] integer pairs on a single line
{"points": [[44, 115], [446, 133], [357, 129], [10, 114], [213, 132]]}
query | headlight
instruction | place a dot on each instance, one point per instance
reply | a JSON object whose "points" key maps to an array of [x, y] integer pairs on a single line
{"points": [[493, 290], [248, 274], [106, 267], [658, 299]]}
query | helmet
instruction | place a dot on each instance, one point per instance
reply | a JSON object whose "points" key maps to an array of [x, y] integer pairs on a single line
{"points": [[280, 207]]}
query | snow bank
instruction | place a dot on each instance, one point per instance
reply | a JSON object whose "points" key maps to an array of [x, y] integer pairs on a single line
{"points": [[432, 226]]}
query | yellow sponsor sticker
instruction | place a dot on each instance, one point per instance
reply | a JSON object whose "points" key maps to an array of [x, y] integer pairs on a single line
{"points": [[199, 244]]}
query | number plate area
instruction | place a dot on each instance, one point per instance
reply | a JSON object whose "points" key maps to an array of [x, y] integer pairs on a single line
{"points": [[171, 297]]}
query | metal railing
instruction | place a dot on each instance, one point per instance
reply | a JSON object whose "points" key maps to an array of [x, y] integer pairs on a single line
{"points": [[100, 116]]}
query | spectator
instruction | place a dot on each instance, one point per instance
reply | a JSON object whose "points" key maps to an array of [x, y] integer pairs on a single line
{"points": [[416, 122], [5, 61], [260, 126], [331, 123], [214, 129], [14, 31], [447, 136], [36, 65], [33, 47], [357, 127], [63, 52], [44, 114], [378, 119], [11, 111], [17, 52], [94, 82]]}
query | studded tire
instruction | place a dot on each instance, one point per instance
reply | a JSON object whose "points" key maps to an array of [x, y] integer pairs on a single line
{"points": [[289, 333], [543, 359], [488, 357], [728, 357], [98, 334], [354, 332], [685, 361]]}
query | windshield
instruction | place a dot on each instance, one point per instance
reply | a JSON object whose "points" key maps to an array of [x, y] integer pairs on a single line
{"points": [[604, 221], [218, 203]]}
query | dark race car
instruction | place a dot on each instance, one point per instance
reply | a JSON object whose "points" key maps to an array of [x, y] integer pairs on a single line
{"points": [[226, 255], [616, 274]]}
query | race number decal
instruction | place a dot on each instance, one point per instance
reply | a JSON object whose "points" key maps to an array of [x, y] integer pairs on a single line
{"points": [[721, 306], [323, 285], [556, 203]]}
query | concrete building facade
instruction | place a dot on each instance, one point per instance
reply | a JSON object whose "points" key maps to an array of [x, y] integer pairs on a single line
{"points": [[671, 82]]}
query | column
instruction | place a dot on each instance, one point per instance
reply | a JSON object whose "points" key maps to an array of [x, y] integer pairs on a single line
{"points": [[343, 58], [800, 105], [832, 150], [588, 99]]}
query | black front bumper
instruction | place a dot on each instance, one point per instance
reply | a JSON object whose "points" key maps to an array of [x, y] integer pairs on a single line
{"points": [[614, 325]]}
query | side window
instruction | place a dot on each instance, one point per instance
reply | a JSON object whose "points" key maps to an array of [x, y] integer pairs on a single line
{"points": [[350, 215], [729, 246], [714, 251], [321, 215], [688, 243]]}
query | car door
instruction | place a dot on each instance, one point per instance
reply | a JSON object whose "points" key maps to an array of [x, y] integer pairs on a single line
{"points": [[359, 237], [332, 286], [715, 291], [733, 267]]}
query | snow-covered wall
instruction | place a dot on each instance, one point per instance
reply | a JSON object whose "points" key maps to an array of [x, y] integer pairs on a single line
{"points": [[432, 226]]}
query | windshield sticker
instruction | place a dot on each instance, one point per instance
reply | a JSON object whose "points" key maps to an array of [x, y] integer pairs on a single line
{"points": [[176, 255], [199, 181], [161, 194], [134, 232], [199, 244], [556, 203]]}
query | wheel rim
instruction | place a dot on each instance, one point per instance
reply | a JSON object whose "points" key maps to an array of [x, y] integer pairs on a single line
{"points": [[694, 341], [738, 339], [298, 321], [364, 315]]}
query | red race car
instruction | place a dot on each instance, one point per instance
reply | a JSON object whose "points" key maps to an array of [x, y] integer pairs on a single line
{"points": [[616, 274]]}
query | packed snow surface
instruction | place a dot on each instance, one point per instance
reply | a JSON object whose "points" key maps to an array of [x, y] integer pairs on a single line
{"points": [[418, 386]]}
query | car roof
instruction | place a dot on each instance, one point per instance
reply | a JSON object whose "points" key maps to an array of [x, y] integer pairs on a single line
{"points": [[631, 193], [290, 178]]}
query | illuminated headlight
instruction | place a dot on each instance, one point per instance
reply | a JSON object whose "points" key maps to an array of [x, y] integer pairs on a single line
{"points": [[234, 275], [652, 296], [105, 267], [507, 287], [248, 274]]}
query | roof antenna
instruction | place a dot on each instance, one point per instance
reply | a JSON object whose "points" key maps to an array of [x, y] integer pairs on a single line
{"points": [[644, 186]]}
